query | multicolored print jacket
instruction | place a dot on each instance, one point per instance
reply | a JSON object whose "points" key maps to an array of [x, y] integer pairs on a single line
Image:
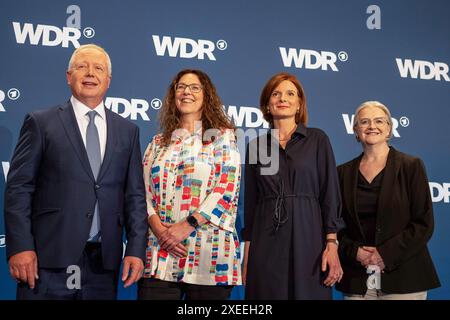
{"points": [[187, 176]]}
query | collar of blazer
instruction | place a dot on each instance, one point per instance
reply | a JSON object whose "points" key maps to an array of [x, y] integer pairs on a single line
{"points": [[70, 125]]}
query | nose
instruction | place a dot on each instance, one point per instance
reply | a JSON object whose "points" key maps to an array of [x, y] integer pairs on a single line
{"points": [[90, 71], [372, 125], [187, 88]]}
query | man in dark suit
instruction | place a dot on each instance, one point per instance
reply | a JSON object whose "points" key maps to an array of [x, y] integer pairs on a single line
{"points": [[75, 181]]}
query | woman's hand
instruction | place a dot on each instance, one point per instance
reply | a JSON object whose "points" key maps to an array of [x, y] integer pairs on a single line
{"points": [[370, 256], [330, 258], [159, 228], [174, 234], [364, 255]]}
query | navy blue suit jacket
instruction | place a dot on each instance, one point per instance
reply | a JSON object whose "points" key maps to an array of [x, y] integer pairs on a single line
{"points": [[51, 192]]}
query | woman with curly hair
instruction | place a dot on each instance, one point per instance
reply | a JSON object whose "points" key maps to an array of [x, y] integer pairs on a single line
{"points": [[192, 175]]}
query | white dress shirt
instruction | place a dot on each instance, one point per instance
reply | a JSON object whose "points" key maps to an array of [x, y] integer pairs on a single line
{"points": [[81, 111]]}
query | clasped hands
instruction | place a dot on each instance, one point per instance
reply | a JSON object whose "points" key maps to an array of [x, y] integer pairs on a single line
{"points": [[170, 237], [370, 256]]}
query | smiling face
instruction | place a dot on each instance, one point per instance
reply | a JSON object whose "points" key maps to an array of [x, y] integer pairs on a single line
{"points": [[187, 101], [88, 76], [284, 101], [372, 126]]}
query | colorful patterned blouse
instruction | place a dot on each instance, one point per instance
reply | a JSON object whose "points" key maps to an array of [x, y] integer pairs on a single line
{"points": [[189, 176]]}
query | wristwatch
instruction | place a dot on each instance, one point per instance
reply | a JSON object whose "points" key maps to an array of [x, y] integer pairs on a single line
{"points": [[335, 241], [192, 221]]}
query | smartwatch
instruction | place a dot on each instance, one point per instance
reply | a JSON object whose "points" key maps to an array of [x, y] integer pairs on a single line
{"points": [[192, 221]]}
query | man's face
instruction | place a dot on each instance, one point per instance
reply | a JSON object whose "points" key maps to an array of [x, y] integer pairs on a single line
{"points": [[89, 77]]}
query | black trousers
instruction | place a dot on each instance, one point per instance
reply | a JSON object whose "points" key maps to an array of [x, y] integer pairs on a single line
{"points": [[155, 289], [93, 282]]}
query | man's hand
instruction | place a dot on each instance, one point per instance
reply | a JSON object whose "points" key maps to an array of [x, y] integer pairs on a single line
{"points": [[137, 267], [23, 266]]}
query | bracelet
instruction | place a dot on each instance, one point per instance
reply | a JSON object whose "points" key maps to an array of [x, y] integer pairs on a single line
{"points": [[335, 241]]}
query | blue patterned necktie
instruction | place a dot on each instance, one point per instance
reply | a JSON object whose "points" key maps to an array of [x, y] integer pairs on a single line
{"points": [[93, 151]]}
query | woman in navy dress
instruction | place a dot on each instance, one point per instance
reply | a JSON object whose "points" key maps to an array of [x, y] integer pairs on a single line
{"points": [[292, 202]]}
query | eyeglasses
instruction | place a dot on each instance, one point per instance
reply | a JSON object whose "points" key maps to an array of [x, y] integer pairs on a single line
{"points": [[377, 122], [194, 88]]}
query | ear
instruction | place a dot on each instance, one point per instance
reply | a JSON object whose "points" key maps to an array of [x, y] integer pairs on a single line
{"points": [[68, 77]]}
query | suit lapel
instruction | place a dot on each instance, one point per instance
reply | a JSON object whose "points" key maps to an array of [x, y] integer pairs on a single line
{"points": [[351, 183], [110, 144], [70, 125]]}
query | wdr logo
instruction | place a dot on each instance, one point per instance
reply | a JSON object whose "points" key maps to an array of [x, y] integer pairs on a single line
{"points": [[349, 120], [420, 69], [440, 192], [46, 35], [248, 117], [310, 59], [5, 167], [187, 48], [133, 108], [13, 94]]}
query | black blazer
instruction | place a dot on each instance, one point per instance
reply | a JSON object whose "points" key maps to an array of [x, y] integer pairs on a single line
{"points": [[404, 224], [51, 192]]}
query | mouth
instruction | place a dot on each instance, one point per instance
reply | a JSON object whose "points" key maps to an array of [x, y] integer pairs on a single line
{"points": [[372, 133], [282, 107], [89, 84], [187, 100]]}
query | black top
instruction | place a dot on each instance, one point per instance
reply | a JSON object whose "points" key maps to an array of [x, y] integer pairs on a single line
{"points": [[366, 205], [287, 213], [404, 224]]}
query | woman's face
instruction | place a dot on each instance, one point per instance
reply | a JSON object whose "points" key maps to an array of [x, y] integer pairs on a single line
{"points": [[284, 101], [373, 126], [189, 96]]}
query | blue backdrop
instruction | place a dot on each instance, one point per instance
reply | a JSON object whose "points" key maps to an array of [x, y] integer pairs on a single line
{"points": [[344, 52]]}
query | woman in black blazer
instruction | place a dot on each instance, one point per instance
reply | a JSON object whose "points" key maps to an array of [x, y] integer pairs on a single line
{"points": [[388, 213]]}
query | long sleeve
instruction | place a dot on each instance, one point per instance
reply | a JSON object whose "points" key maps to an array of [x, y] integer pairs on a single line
{"points": [[135, 213], [220, 205], [348, 249], [20, 187], [329, 193], [250, 194], [148, 156], [419, 230]]}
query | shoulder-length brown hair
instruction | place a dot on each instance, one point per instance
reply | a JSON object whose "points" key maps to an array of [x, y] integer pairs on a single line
{"points": [[301, 116], [213, 114]]}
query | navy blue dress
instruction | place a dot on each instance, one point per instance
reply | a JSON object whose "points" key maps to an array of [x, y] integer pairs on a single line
{"points": [[288, 214]]}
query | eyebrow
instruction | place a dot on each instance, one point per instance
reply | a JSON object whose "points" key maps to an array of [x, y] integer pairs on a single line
{"points": [[376, 118], [277, 91]]}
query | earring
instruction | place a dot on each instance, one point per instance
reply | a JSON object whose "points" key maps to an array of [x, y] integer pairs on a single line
{"points": [[298, 110]]}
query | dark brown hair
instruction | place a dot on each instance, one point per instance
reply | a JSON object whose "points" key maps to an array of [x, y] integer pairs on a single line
{"points": [[302, 115], [213, 114]]}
